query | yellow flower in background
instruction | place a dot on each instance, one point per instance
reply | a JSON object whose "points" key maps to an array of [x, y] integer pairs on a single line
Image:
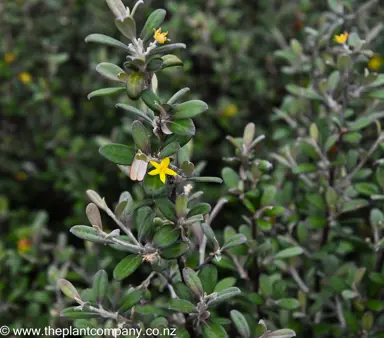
{"points": [[21, 176], [25, 78], [9, 58], [162, 169], [230, 110], [341, 38], [23, 245], [159, 36], [375, 63]]}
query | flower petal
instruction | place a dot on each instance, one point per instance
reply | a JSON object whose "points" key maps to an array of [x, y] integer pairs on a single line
{"points": [[155, 164], [154, 172], [162, 177], [170, 172], [165, 162]]}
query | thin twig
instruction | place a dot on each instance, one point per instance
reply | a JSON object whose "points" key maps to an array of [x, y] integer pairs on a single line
{"points": [[303, 287]]}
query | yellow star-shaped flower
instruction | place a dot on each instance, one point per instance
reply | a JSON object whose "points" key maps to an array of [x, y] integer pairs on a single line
{"points": [[159, 36], [341, 38], [9, 58], [162, 169], [25, 78], [375, 63]]}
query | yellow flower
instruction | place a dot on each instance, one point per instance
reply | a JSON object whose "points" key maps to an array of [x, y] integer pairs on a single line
{"points": [[159, 36], [230, 110], [25, 78], [375, 63], [162, 169], [9, 58], [23, 245], [341, 38]]}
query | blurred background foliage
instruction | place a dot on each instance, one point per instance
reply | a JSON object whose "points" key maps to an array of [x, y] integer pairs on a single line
{"points": [[49, 131]]}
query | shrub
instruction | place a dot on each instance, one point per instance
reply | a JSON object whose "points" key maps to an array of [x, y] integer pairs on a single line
{"points": [[162, 231]]}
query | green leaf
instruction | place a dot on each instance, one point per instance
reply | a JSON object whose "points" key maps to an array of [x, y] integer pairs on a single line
{"points": [[135, 84], [240, 323], [110, 71], [141, 136], [334, 80], [132, 249], [182, 127], [155, 64], [230, 177], [118, 153], [266, 285], [167, 208], [144, 222], [208, 277], [127, 27], [331, 141], [76, 313], [308, 93], [305, 168], [159, 323], [183, 292], [169, 150], [181, 305], [317, 201], [367, 321], [360, 123], [166, 49], [130, 300], [193, 282], [151, 99], [224, 295], [336, 6], [331, 196], [377, 94], [182, 333], [154, 21], [367, 189], [344, 62], [181, 205], [268, 196], [353, 205], [171, 60], [165, 236], [284, 333], [375, 305], [206, 179], [153, 186], [106, 40], [213, 330], [105, 91], [68, 289], [288, 303], [126, 267], [189, 109], [175, 250], [210, 235], [376, 217], [290, 252], [100, 286], [199, 209], [87, 233], [234, 241], [225, 284], [178, 95], [134, 111]]}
